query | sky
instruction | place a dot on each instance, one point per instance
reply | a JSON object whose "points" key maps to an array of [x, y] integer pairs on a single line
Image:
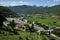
{"points": [[29, 2]]}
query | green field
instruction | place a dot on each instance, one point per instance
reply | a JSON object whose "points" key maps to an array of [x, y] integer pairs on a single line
{"points": [[22, 36], [46, 21]]}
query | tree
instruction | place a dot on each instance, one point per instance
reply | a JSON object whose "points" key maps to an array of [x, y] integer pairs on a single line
{"points": [[2, 19]]}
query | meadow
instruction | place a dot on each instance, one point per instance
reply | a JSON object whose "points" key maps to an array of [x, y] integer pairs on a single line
{"points": [[46, 21], [5, 35]]}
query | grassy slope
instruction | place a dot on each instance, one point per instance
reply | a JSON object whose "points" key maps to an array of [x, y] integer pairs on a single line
{"points": [[23, 35]]}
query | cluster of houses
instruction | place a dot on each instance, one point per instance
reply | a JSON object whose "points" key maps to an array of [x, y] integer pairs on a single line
{"points": [[20, 23]]}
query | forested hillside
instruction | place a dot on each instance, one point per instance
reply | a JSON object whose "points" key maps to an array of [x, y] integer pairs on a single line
{"points": [[5, 11], [54, 10]]}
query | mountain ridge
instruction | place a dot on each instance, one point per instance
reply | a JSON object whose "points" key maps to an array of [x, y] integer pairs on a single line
{"points": [[33, 9]]}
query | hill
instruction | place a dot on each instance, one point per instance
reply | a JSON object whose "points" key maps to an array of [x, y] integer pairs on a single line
{"points": [[5, 11], [54, 10], [49, 10], [19, 9]]}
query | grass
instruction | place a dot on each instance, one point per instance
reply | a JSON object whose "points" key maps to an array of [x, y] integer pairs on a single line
{"points": [[23, 35], [46, 21]]}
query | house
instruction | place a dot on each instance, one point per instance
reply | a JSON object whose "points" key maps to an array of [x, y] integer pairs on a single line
{"points": [[18, 25]]}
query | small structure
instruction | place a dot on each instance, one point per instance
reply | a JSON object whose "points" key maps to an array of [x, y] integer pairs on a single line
{"points": [[18, 25], [25, 21]]}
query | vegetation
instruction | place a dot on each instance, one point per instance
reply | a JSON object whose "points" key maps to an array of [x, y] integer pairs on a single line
{"points": [[36, 10], [6, 12], [11, 35], [6, 35], [57, 32], [45, 11], [46, 21]]}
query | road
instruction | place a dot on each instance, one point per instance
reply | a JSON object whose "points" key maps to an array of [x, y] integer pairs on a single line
{"points": [[52, 35]]}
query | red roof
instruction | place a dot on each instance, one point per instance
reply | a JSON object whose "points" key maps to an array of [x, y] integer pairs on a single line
{"points": [[18, 25]]}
